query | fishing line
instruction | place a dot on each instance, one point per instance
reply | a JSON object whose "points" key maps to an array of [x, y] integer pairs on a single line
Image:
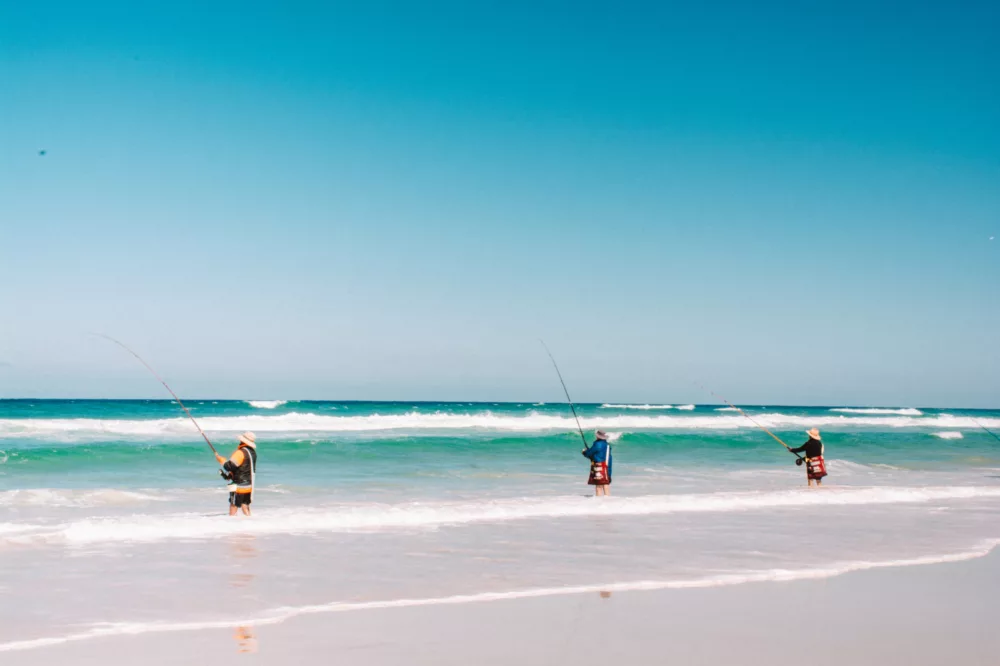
{"points": [[165, 385], [566, 391], [751, 419]]}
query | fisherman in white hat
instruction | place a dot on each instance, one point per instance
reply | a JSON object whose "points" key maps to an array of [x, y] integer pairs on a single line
{"points": [[815, 465], [599, 455], [240, 470]]}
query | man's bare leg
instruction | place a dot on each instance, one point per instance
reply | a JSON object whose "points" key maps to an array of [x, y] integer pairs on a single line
{"points": [[246, 509]]}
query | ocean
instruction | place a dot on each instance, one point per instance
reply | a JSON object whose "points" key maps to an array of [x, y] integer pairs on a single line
{"points": [[112, 513]]}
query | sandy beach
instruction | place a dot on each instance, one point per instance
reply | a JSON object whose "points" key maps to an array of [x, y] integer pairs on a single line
{"points": [[914, 615]]}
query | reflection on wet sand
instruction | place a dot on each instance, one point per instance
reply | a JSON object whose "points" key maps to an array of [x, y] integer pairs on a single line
{"points": [[241, 579], [246, 640], [243, 550]]}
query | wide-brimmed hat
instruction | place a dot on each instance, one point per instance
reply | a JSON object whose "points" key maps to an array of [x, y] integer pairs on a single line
{"points": [[814, 433], [600, 434], [249, 439]]}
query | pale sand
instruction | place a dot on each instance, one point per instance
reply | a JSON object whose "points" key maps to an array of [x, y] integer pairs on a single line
{"points": [[917, 616]]}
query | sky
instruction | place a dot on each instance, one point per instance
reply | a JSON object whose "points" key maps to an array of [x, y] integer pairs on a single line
{"points": [[792, 203]]}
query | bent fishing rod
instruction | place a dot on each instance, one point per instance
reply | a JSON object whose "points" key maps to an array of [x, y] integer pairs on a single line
{"points": [[165, 385], [566, 391], [751, 419]]}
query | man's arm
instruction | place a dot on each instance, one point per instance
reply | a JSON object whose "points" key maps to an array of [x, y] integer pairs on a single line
{"points": [[233, 463]]}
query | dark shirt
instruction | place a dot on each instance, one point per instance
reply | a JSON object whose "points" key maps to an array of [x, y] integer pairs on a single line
{"points": [[813, 448]]}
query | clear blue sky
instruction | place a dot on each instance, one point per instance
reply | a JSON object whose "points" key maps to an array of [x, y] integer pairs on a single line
{"points": [[394, 200]]}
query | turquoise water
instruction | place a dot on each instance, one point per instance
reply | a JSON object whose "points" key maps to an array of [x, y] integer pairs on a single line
{"points": [[384, 501], [87, 444]]}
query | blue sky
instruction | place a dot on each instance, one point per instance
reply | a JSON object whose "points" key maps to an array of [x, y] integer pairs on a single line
{"points": [[395, 200]]}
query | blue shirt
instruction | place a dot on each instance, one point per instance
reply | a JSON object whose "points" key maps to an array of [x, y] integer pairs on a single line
{"points": [[600, 451]]}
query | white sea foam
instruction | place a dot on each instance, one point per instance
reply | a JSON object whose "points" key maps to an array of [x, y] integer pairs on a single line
{"points": [[295, 422], [948, 434], [909, 411], [726, 409], [686, 408], [279, 615], [367, 517], [79, 498], [7, 529], [266, 404], [642, 407]]}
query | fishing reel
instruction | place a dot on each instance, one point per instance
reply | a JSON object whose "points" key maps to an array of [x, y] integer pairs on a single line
{"points": [[798, 462], [226, 476]]}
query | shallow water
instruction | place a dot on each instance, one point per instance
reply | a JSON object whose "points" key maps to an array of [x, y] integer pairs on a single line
{"points": [[111, 511]]}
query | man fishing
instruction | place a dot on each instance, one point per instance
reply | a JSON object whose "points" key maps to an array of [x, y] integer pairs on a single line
{"points": [[240, 470], [599, 455], [815, 466]]}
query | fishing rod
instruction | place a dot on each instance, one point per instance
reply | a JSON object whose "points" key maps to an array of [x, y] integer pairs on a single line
{"points": [[986, 429], [165, 385], [751, 419], [566, 391]]}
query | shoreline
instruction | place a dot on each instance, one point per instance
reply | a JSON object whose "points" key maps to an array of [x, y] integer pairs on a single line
{"points": [[909, 592]]}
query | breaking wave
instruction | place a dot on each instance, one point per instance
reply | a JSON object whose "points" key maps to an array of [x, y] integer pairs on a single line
{"points": [[948, 434], [266, 404], [486, 421], [375, 517], [77, 498]]}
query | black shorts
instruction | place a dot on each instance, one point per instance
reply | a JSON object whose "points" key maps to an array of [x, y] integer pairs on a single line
{"points": [[239, 499]]}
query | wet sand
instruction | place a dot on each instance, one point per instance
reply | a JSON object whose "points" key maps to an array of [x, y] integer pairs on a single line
{"points": [[919, 615]]}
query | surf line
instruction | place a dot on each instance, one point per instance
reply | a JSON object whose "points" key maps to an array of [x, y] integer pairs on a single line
{"points": [[280, 615], [555, 365], [799, 459], [165, 385]]}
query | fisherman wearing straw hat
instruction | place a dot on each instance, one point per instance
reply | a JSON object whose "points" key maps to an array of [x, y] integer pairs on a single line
{"points": [[240, 470], [599, 455], [815, 466]]}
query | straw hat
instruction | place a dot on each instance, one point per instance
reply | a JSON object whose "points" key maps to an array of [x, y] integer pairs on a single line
{"points": [[600, 434], [249, 439], [814, 433]]}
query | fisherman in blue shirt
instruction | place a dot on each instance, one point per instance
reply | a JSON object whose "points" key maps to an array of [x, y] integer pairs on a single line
{"points": [[599, 455]]}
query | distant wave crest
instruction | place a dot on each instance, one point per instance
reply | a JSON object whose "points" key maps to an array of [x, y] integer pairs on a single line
{"points": [[266, 404], [295, 423], [908, 411], [948, 434], [642, 407], [683, 408]]}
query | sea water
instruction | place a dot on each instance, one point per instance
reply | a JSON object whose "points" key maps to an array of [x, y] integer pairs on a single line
{"points": [[112, 513]]}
